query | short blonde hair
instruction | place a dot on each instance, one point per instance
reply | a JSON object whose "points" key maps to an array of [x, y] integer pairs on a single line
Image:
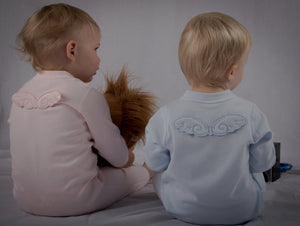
{"points": [[44, 31], [211, 43]]}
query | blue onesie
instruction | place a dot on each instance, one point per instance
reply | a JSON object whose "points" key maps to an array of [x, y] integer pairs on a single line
{"points": [[210, 151]]}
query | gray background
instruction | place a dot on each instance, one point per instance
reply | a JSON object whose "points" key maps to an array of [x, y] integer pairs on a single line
{"points": [[144, 35]]}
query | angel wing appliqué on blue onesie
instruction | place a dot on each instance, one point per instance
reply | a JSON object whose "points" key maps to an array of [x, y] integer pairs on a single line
{"points": [[220, 127]]}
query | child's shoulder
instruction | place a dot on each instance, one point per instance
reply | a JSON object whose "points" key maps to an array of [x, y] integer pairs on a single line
{"points": [[166, 111], [169, 106], [243, 100], [255, 116], [247, 104], [62, 82]]}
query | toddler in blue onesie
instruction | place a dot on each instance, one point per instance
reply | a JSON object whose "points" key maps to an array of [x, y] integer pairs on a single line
{"points": [[210, 147]]}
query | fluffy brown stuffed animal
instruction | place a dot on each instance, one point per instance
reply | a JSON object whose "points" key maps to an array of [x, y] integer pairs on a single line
{"points": [[130, 108]]}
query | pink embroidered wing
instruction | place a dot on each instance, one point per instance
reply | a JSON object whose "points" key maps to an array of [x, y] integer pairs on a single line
{"points": [[27, 100], [48, 99]]}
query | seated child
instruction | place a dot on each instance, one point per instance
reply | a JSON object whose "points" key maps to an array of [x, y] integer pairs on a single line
{"points": [[210, 147], [56, 118]]}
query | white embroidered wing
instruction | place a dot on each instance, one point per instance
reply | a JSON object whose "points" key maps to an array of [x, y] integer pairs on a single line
{"points": [[220, 127], [191, 126], [228, 124]]}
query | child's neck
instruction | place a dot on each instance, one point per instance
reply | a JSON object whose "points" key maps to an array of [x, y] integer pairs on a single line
{"points": [[207, 89]]}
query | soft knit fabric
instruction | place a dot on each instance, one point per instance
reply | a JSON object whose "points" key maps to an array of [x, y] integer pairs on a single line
{"points": [[210, 150], [54, 121]]}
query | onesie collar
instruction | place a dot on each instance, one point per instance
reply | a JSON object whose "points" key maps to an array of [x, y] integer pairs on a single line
{"points": [[53, 75], [208, 97]]}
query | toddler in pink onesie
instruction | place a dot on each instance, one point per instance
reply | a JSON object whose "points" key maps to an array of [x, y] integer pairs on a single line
{"points": [[56, 118]]}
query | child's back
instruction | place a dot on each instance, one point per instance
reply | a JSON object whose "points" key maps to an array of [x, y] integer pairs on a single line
{"points": [[206, 137], [51, 145]]}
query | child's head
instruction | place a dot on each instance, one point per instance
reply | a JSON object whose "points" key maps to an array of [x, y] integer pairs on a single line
{"points": [[210, 45], [47, 32]]}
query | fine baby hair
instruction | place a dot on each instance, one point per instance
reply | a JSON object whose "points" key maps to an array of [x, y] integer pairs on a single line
{"points": [[209, 45], [47, 30]]}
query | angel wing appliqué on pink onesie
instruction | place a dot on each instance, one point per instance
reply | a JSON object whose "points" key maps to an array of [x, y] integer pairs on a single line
{"points": [[27, 100], [220, 127]]}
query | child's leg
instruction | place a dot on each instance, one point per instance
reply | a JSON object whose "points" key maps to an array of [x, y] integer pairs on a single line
{"points": [[118, 183]]}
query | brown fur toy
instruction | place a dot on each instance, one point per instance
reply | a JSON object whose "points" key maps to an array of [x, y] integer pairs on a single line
{"points": [[130, 107]]}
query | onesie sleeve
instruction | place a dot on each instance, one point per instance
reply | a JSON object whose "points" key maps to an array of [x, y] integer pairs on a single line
{"points": [[157, 156], [262, 151], [106, 135]]}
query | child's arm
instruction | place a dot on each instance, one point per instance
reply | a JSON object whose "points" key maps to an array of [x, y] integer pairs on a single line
{"points": [[262, 151], [131, 158], [106, 135], [157, 155]]}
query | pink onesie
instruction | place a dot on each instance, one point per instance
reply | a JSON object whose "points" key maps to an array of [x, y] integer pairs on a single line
{"points": [[54, 121]]}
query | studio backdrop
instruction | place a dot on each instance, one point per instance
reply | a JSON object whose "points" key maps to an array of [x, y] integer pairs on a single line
{"points": [[144, 35]]}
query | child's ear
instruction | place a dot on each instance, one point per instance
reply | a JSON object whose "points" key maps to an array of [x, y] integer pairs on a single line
{"points": [[230, 73], [71, 49]]}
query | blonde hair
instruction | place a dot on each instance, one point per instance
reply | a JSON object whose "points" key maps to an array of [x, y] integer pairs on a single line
{"points": [[44, 31], [210, 44]]}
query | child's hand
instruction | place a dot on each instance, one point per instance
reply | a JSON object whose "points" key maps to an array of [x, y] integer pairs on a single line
{"points": [[131, 148], [130, 158]]}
